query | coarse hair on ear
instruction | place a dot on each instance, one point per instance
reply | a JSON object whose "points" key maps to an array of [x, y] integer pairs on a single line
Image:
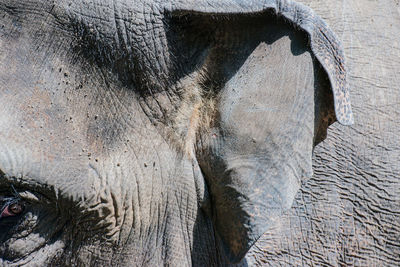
{"points": [[196, 34]]}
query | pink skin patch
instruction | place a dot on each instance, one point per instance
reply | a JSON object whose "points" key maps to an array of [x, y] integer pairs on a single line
{"points": [[12, 209], [6, 213]]}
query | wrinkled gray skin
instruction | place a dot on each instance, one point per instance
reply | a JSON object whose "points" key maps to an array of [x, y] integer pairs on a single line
{"points": [[348, 213], [116, 167]]}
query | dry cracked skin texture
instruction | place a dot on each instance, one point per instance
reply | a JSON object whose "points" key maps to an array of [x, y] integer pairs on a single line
{"points": [[348, 214]]}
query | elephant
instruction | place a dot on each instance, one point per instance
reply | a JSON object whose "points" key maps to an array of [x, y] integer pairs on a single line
{"points": [[347, 214], [149, 133]]}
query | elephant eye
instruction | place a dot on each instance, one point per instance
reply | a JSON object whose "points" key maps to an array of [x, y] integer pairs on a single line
{"points": [[14, 208]]}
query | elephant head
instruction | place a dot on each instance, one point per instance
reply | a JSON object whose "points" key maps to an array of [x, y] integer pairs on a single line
{"points": [[155, 133]]}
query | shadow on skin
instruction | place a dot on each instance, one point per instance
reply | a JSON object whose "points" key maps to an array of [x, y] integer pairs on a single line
{"points": [[224, 46]]}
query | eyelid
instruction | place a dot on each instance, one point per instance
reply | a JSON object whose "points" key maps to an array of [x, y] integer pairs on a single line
{"points": [[26, 195], [30, 197], [34, 190]]}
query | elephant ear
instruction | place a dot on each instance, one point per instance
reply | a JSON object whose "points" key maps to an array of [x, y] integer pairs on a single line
{"points": [[324, 43], [203, 38]]}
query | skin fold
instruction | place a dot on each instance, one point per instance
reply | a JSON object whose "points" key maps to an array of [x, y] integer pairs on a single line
{"points": [[140, 133]]}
